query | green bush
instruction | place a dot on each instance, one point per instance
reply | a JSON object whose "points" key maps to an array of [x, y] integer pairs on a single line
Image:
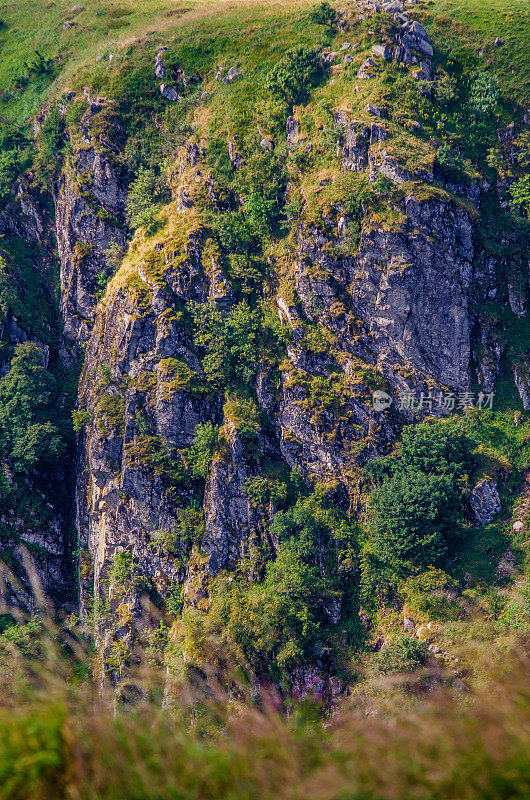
{"points": [[145, 197], [484, 94], [230, 341], [200, 454], [50, 144], [403, 654], [10, 169], [295, 75], [263, 490], [450, 160], [520, 192], [80, 419], [29, 426], [432, 594], [325, 15], [416, 507]]}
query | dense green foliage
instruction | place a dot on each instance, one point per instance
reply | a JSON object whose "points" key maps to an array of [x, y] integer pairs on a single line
{"points": [[404, 653], [30, 432], [145, 197], [295, 74], [301, 608], [416, 508]]}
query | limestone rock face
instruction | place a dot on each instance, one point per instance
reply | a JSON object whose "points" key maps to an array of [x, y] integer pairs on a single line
{"points": [[126, 490], [485, 502], [409, 287], [88, 223]]}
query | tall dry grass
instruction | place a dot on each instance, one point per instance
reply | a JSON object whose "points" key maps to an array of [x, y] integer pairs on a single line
{"points": [[64, 734]]}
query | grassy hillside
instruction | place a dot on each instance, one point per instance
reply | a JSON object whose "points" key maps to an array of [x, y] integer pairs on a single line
{"points": [[90, 39], [476, 24]]}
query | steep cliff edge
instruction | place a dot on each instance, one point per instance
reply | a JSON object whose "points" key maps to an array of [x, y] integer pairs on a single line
{"points": [[271, 260], [277, 342]]}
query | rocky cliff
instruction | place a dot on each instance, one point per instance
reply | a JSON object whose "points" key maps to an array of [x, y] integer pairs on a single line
{"points": [[306, 254]]}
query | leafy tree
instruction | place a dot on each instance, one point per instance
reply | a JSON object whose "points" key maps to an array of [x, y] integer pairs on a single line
{"points": [[230, 341], [146, 194], [520, 193], [412, 518], [484, 94], [200, 454], [450, 160], [295, 75], [416, 507], [29, 432]]}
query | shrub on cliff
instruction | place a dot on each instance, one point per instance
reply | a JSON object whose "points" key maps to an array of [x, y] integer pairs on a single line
{"points": [[416, 506], [295, 75], [303, 606], [146, 194], [29, 431]]}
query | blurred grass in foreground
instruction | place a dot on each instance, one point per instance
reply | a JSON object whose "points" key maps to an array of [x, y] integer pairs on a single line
{"points": [[64, 734]]}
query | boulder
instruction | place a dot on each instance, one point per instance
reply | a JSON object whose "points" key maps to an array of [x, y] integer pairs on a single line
{"points": [[484, 501], [373, 110], [408, 625], [518, 526], [365, 70], [233, 73], [160, 70], [521, 376], [423, 633], [169, 93], [345, 46], [347, 60], [266, 144], [382, 51], [292, 129], [425, 47], [419, 31]]}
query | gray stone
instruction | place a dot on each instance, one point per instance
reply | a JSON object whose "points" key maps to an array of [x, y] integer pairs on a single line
{"points": [[521, 376], [266, 144], [365, 70], [292, 129], [347, 60], [169, 93], [408, 625], [484, 501], [373, 110], [345, 46], [425, 47], [419, 31], [354, 142], [382, 51], [232, 74]]}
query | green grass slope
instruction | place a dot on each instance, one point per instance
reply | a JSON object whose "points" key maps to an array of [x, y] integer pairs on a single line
{"points": [[90, 39]]}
